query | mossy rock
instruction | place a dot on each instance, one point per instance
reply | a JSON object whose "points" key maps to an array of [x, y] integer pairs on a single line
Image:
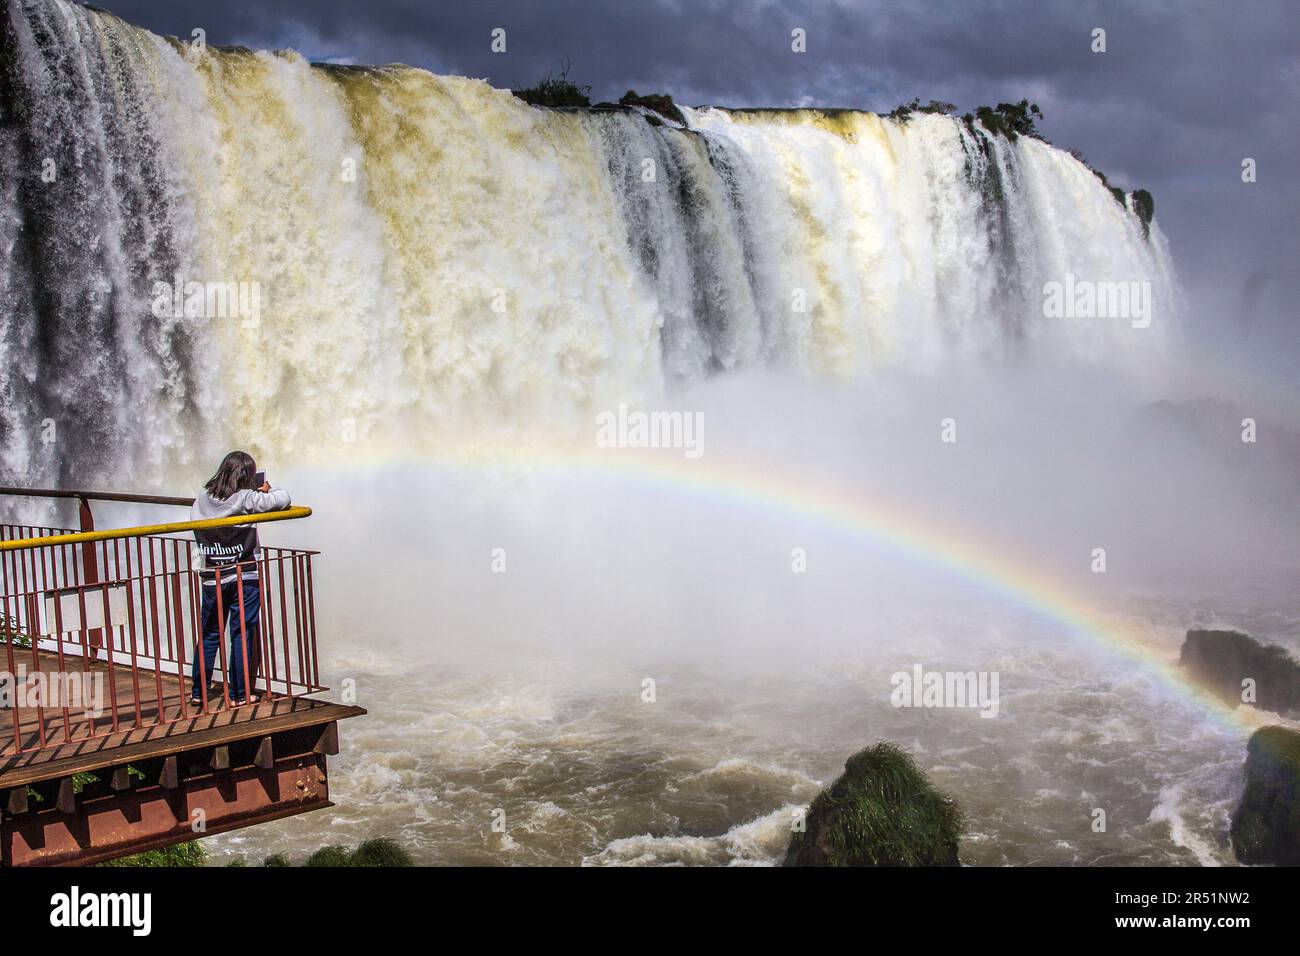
{"points": [[1266, 825], [882, 811]]}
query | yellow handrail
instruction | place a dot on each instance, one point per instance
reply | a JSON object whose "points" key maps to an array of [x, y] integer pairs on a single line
{"points": [[49, 541]]}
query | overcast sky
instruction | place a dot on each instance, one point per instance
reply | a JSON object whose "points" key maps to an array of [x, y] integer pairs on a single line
{"points": [[1184, 91]]}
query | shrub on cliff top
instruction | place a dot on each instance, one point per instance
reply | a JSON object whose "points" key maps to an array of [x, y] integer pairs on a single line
{"points": [[1143, 205], [904, 111], [1008, 119], [882, 811], [556, 91]]}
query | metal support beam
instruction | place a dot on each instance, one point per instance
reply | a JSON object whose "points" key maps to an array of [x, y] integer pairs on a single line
{"points": [[220, 759], [17, 802], [265, 757], [329, 740], [151, 817], [67, 796]]}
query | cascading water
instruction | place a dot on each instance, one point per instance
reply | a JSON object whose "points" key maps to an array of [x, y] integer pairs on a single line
{"points": [[430, 252]]}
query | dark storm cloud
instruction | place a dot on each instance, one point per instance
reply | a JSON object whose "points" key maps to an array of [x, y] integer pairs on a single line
{"points": [[1183, 93]]}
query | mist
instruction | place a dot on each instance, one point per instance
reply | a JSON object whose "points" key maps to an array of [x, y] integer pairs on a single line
{"points": [[1045, 467]]}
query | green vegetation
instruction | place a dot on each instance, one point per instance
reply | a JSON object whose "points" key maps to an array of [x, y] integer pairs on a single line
{"points": [[1145, 207], [904, 111], [380, 852], [1008, 119], [330, 856], [556, 91], [12, 632], [1143, 204], [178, 854], [377, 852], [1012, 120], [881, 811]]}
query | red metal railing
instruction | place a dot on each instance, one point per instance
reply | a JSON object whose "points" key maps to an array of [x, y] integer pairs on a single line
{"points": [[99, 637]]}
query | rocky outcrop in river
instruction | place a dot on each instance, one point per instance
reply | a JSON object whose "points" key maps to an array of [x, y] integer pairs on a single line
{"points": [[1222, 661], [1266, 826], [882, 811]]}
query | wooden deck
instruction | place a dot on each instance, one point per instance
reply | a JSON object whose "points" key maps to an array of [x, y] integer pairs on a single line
{"points": [[85, 743]]}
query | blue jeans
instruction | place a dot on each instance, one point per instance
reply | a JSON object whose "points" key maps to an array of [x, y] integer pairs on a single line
{"points": [[212, 635]]}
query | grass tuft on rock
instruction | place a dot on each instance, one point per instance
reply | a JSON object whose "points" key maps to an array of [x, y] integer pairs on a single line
{"points": [[882, 811], [330, 856], [380, 851]]}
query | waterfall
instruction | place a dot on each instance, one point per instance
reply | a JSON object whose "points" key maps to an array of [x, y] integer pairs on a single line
{"points": [[422, 253]]}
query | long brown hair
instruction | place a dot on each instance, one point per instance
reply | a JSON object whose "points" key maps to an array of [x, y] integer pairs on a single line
{"points": [[237, 472]]}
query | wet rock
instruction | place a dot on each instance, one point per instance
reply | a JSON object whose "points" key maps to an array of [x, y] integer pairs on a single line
{"points": [[1266, 826], [660, 103], [1222, 660]]}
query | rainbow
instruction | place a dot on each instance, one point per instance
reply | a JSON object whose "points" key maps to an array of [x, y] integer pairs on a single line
{"points": [[887, 524]]}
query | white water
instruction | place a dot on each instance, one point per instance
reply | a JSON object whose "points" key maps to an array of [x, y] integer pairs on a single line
{"points": [[433, 255]]}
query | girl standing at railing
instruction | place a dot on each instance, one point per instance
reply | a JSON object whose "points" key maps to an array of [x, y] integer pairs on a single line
{"points": [[231, 554]]}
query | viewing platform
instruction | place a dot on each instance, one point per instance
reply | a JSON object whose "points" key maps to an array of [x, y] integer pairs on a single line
{"points": [[102, 752]]}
